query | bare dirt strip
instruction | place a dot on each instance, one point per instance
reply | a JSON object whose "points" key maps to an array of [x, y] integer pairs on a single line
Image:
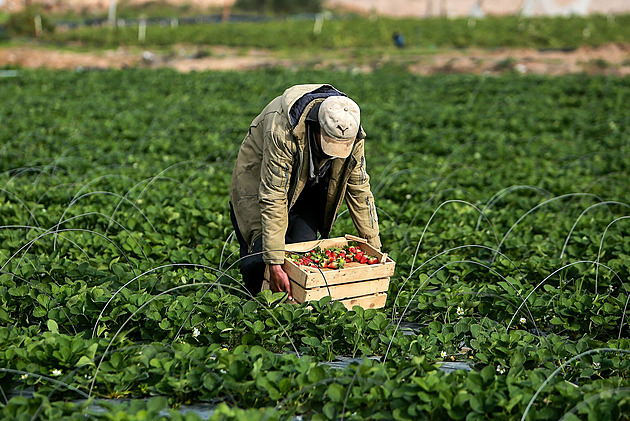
{"points": [[613, 59]]}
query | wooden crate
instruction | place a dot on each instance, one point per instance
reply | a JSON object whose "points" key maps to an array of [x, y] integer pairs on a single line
{"points": [[355, 284]]}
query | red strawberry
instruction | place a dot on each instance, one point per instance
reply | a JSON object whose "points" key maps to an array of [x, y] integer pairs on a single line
{"points": [[372, 261], [364, 259], [333, 265]]}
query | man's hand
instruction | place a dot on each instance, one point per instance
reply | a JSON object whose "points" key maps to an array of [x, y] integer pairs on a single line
{"points": [[279, 280]]}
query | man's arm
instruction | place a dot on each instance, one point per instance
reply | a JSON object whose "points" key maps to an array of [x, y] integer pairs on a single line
{"points": [[360, 200], [275, 174]]}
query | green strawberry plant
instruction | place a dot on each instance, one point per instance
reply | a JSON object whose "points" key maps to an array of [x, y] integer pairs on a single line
{"points": [[502, 200]]}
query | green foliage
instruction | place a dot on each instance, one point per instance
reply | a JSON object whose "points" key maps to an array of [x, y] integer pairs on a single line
{"points": [[497, 198], [4, 35], [361, 33], [23, 22], [280, 6], [489, 32]]}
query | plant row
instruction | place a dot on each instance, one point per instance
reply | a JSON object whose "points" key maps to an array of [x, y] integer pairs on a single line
{"points": [[502, 201], [488, 32]]}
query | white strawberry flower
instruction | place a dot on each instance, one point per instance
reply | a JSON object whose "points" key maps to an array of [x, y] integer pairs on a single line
{"points": [[500, 370], [196, 332], [56, 372], [24, 376], [460, 311], [443, 354], [522, 320]]}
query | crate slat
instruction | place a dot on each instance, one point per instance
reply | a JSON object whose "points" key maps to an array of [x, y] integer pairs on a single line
{"points": [[376, 300], [340, 291], [352, 273], [310, 245], [367, 301]]}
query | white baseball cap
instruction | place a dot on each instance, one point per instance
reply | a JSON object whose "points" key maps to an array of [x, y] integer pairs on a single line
{"points": [[339, 118]]}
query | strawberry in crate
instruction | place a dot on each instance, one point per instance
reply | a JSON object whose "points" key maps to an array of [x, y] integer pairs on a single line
{"points": [[333, 257]]}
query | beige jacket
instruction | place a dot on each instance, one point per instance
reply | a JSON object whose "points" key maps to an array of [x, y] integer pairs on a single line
{"points": [[272, 169]]}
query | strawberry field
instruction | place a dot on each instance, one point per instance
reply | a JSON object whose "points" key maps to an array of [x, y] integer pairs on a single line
{"points": [[503, 200]]}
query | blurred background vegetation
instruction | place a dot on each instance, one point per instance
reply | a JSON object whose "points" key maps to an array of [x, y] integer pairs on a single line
{"points": [[361, 32], [287, 25], [280, 6]]}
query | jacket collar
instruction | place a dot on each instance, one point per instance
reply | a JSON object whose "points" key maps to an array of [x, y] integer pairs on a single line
{"points": [[292, 95]]}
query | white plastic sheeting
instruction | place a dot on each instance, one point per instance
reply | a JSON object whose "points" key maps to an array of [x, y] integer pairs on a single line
{"points": [[479, 8], [551, 8]]}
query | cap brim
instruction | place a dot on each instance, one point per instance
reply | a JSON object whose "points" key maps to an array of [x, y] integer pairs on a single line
{"points": [[338, 148]]}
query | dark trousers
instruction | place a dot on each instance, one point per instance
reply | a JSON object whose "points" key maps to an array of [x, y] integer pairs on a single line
{"points": [[305, 219]]}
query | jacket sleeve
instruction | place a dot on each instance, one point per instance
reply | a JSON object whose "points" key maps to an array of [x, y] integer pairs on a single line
{"points": [[360, 200], [275, 174]]}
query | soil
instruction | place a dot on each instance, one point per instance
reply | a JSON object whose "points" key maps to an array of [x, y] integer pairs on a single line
{"points": [[611, 59]]}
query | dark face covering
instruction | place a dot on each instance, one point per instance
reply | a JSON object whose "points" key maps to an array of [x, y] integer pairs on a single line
{"points": [[312, 132]]}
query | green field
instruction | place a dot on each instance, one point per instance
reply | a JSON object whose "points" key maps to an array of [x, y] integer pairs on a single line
{"points": [[503, 200], [349, 32]]}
